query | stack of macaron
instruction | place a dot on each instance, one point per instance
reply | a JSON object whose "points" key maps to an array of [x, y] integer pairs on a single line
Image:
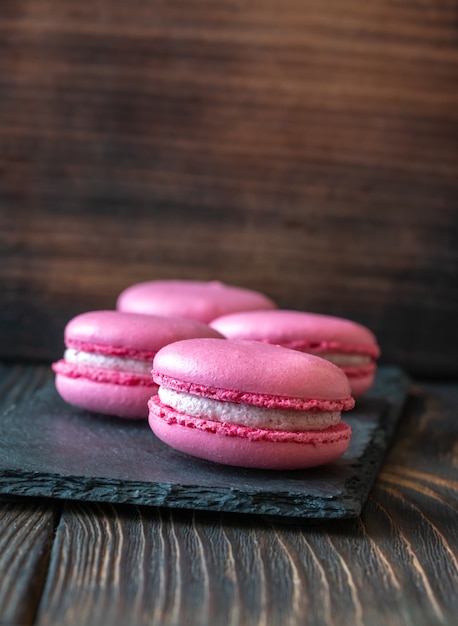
{"points": [[220, 372]]}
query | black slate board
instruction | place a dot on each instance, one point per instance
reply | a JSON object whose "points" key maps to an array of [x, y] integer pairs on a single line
{"points": [[50, 449]]}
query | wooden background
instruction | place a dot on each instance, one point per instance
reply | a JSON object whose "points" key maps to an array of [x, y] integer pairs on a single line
{"points": [[305, 149]]}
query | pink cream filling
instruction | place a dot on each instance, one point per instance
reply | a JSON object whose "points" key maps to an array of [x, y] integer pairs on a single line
{"points": [[258, 399], [339, 432], [100, 375]]}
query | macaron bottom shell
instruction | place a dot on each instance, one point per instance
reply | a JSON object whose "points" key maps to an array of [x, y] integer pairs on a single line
{"points": [[128, 401], [361, 384], [214, 444]]}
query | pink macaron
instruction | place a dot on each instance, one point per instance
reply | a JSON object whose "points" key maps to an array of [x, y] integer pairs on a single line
{"points": [[108, 359], [349, 345], [249, 404], [197, 300]]}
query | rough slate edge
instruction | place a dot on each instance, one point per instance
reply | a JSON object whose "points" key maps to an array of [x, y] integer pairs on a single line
{"points": [[310, 502]]}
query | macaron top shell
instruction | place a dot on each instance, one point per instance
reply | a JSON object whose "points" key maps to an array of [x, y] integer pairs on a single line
{"points": [[212, 366], [198, 300], [299, 330], [115, 332]]}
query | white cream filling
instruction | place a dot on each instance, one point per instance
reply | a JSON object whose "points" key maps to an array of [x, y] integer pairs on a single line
{"points": [[245, 414], [108, 361], [345, 359]]}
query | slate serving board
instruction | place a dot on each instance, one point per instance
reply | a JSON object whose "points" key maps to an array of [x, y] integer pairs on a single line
{"points": [[50, 449]]}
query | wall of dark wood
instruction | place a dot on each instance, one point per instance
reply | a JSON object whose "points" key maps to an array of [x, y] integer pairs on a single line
{"points": [[305, 149]]}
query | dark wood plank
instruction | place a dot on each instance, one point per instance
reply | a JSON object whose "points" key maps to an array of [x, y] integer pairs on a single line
{"points": [[394, 566], [26, 536], [309, 152], [157, 567], [416, 503]]}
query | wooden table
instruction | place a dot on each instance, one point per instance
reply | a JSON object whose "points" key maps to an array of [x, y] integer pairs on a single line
{"points": [[64, 562]]}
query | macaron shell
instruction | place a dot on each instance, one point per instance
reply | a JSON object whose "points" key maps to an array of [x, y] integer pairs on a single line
{"points": [[243, 452], [252, 367], [107, 398], [361, 384], [296, 329], [197, 300], [131, 331]]}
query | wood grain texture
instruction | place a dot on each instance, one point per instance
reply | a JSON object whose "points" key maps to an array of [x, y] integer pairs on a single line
{"points": [[26, 536], [397, 565], [308, 150]]}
